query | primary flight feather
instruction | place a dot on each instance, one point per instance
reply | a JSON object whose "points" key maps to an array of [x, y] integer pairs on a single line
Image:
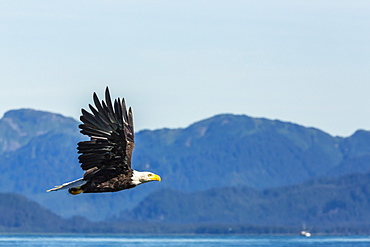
{"points": [[106, 157]]}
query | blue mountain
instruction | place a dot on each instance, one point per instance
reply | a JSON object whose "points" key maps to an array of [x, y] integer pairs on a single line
{"points": [[38, 151]]}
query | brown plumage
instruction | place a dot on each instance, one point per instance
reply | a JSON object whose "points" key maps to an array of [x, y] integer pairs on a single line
{"points": [[106, 157]]}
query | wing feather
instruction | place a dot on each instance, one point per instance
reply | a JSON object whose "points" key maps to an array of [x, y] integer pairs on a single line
{"points": [[118, 110], [124, 111], [112, 115], [110, 128]]}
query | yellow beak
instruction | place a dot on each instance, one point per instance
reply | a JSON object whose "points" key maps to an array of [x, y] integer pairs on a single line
{"points": [[155, 177]]}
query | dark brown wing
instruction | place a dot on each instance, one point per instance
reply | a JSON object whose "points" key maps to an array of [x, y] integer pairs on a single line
{"points": [[111, 131]]}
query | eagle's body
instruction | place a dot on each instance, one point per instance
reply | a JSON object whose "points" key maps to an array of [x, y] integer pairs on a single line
{"points": [[106, 157]]}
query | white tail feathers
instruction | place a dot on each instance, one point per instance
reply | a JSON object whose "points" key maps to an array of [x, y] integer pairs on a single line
{"points": [[76, 183]]}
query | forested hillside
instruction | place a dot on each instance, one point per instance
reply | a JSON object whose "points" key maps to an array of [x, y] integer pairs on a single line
{"points": [[319, 203]]}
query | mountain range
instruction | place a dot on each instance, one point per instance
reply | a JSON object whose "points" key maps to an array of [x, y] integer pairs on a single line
{"points": [[235, 156], [325, 205]]}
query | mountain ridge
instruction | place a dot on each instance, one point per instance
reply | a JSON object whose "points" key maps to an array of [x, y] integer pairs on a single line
{"points": [[221, 151], [16, 126]]}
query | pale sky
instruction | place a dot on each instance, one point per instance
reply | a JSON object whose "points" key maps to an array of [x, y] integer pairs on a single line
{"points": [[178, 62]]}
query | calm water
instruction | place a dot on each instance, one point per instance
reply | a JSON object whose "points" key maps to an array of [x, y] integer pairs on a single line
{"points": [[181, 241]]}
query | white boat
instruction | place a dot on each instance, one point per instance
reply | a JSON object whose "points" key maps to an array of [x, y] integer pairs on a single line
{"points": [[305, 233]]}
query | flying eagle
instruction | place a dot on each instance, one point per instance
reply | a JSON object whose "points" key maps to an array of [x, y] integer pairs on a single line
{"points": [[106, 157]]}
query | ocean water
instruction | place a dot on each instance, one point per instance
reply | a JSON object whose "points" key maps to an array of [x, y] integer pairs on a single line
{"points": [[182, 241]]}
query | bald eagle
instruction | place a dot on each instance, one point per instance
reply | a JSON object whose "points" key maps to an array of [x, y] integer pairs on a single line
{"points": [[106, 157]]}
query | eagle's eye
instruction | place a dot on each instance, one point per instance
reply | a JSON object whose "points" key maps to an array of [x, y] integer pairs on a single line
{"points": [[149, 175]]}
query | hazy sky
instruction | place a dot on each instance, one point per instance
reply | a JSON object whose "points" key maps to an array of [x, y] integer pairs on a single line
{"points": [[177, 62]]}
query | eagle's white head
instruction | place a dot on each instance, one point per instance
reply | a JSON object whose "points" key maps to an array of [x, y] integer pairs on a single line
{"points": [[144, 177]]}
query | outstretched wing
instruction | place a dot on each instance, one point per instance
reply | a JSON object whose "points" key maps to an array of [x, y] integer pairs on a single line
{"points": [[111, 131]]}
